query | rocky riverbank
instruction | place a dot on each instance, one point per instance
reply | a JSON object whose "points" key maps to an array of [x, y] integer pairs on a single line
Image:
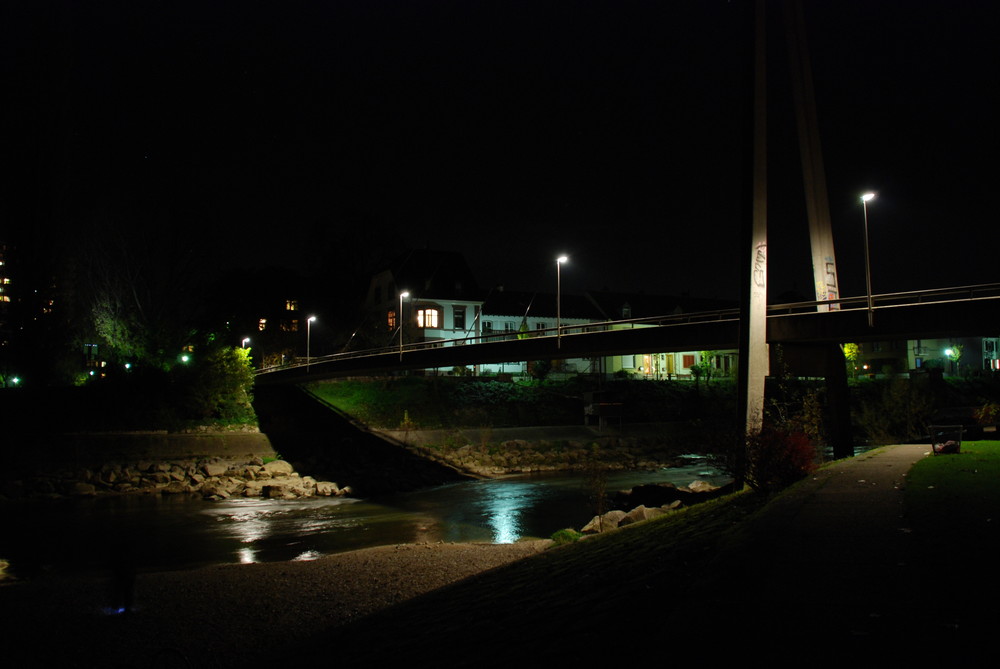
{"points": [[210, 478], [489, 452], [650, 501]]}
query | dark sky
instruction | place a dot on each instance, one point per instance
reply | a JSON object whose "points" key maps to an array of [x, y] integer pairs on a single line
{"points": [[321, 134]]}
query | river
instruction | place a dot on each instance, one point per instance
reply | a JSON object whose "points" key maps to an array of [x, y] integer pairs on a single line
{"points": [[154, 532]]}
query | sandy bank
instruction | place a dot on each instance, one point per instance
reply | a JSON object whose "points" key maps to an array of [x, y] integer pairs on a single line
{"points": [[223, 616]]}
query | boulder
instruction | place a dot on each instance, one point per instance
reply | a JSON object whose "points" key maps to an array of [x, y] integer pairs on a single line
{"points": [[214, 469], [701, 486], [641, 513], [603, 523], [275, 491], [652, 494], [81, 489], [176, 488], [253, 488], [278, 468], [326, 489]]}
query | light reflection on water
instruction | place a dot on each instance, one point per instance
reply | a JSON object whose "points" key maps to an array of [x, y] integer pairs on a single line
{"points": [[503, 506], [159, 532]]}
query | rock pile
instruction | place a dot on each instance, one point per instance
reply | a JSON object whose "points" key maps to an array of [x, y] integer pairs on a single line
{"points": [[663, 498], [212, 479]]}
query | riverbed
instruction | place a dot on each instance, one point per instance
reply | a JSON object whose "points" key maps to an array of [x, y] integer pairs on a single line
{"points": [[158, 532]]}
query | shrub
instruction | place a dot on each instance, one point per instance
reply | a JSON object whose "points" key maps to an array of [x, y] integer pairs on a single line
{"points": [[566, 536], [899, 414], [988, 414], [777, 458]]}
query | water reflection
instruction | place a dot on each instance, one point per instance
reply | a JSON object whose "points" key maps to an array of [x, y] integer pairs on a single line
{"points": [[503, 506], [158, 532]]}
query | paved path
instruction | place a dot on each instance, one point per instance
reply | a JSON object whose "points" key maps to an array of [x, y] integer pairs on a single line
{"points": [[836, 560]]}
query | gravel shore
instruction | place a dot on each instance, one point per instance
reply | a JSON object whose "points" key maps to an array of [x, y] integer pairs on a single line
{"points": [[226, 615]]}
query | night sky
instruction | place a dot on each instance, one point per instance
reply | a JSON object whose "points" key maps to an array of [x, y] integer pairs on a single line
{"points": [[324, 135]]}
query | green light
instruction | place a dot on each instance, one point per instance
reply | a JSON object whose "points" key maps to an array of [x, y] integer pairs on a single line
{"points": [[14, 381], [185, 358]]}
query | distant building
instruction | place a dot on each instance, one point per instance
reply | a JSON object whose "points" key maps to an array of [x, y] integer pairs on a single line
{"points": [[442, 302], [619, 308], [953, 356], [444, 306], [518, 314]]}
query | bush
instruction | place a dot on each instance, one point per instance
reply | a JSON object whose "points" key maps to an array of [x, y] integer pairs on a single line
{"points": [[777, 458], [900, 413], [988, 414], [216, 386], [566, 536]]}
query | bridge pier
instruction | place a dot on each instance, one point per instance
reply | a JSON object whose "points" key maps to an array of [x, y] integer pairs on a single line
{"points": [[825, 359]]}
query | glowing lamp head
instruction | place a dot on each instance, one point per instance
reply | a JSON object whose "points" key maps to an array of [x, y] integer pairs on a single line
{"points": [[312, 319], [868, 197], [562, 259], [404, 294]]}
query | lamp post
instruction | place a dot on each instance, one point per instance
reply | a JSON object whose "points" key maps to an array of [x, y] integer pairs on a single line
{"points": [[401, 296], [309, 322], [868, 268], [559, 261], [246, 340]]}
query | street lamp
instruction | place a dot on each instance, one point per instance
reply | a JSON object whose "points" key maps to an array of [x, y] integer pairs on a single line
{"points": [[309, 322], [401, 296], [246, 340], [559, 261], [868, 268], [953, 355]]}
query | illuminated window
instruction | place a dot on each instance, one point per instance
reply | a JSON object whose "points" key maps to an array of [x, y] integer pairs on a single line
{"points": [[290, 326], [427, 318], [291, 305], [390, 320], [261, 324]]}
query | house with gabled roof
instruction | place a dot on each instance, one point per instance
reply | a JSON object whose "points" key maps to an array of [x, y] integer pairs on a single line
{"points": [[445, 304], [442, 302]]}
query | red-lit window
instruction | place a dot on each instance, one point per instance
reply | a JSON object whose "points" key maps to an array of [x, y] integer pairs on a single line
{"points": [[688, 360]]}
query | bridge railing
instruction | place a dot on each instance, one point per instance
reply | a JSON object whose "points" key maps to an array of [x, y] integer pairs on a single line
{"points": [[988, 291], [883, 301]]}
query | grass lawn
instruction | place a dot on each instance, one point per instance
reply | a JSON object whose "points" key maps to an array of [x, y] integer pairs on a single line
{"points": [[953, 501]]}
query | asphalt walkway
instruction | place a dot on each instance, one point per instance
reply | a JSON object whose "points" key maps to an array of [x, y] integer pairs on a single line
{"points": [[836, 559]]}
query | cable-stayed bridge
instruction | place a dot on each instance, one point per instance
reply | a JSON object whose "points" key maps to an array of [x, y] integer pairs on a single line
{"points": [[926, 314]]}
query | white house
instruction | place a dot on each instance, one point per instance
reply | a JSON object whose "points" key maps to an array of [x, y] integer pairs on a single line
{"points": [[516, 314], [618, 307], [442, 299], [443, 303]]}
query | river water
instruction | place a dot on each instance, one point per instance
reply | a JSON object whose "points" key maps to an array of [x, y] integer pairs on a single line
{"points": [[153, 532]]}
